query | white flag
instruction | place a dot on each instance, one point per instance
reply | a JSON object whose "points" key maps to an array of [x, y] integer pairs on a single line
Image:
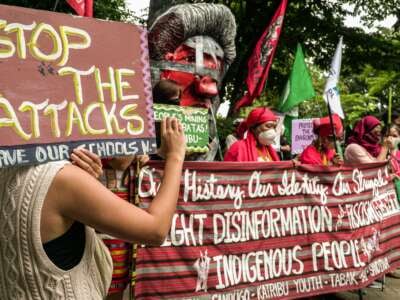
{"points": [[331, 92]]}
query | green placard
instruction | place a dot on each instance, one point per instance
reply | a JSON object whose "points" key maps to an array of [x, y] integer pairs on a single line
{"points": [[194, 121]]}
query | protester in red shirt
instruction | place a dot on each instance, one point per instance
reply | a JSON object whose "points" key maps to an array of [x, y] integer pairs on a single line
{"points": [[257, 146], [322, 151]]}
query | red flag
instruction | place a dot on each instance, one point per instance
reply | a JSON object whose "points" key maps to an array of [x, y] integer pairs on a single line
{"points": [[89, 8], [261, 59], [82, 7]]}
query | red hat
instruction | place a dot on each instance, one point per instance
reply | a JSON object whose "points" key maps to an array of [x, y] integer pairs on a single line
{"points": [[323, 128], [260, 115]]}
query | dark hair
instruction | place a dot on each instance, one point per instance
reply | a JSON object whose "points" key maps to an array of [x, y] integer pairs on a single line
{"points": [[395, 127], [395, 115], [165, 90]]}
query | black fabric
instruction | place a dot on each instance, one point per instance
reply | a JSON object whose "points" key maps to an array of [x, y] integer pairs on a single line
{"points": [[66, 251]]}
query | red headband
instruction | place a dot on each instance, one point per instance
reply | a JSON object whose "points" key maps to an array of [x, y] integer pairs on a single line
{"points": [[323, 128], [260, 115]]}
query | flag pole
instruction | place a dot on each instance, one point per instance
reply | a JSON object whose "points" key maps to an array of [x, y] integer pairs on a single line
{"points": [[337, 146], [55, 5], [331, 93], [390, 106], [332, 127], [214, 122]]}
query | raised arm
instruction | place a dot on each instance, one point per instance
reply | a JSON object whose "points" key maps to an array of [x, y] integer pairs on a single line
{"points": [[75, 195]]}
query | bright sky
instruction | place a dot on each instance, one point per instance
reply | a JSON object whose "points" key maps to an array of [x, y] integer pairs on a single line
{"points": [[356, 21], [137, 5]]}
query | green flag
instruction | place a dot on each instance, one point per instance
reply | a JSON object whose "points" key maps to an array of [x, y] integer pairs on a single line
{"points": [[299, 86], [287, 122]]}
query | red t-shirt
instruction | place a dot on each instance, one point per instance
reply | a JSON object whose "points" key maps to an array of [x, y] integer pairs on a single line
{"points": [[312, 156]]}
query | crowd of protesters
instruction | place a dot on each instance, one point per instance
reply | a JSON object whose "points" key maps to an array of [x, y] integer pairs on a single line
{"points": [[67, 201], [369, 141]]}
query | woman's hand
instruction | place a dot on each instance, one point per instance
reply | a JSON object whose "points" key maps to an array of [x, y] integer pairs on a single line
{"points": [[296, 162], [173, 143], [338, 160], [389, 141], [142, 159], [87, 161], [286, 148]]}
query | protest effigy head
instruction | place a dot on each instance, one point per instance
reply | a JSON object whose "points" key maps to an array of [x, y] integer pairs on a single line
{"points": [[193, 44]]}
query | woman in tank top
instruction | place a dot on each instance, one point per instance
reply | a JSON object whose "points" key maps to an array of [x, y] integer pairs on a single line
{"points": [[52, 203]]}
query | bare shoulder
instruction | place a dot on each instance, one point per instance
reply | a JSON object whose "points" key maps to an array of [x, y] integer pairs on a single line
{"points": [[67, 172], [72, 175], [72, 183], [78, 192], [355, 153], [354, 149], [353, 146]]}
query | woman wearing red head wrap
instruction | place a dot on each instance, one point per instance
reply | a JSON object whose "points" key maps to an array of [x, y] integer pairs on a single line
{"points": [[322, 151], [364, 143], [261, 124]]}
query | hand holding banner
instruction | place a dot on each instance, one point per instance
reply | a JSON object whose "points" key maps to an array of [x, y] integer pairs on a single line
{"points": [[271, 231]]}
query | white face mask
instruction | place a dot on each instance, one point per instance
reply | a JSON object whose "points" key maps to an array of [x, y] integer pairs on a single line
{"points": [[267, 137]]}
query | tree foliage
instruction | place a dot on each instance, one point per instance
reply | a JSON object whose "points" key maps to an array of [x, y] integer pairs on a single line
{"points": [[371, 61]]}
